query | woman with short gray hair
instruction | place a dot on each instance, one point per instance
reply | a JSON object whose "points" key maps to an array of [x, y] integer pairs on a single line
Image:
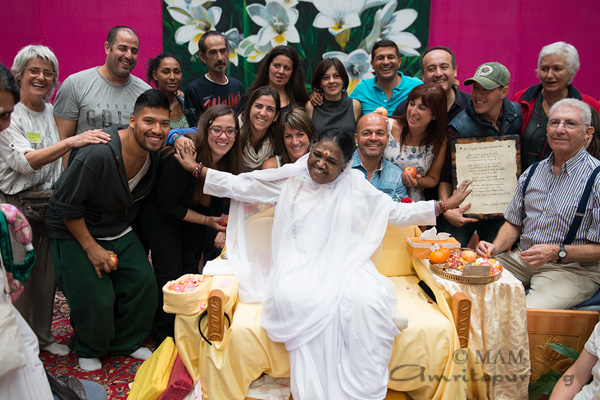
{"points": [[557, 65], [30, 149]]}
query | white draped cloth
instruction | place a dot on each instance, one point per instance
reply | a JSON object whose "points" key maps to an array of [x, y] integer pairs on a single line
{"points": [[322, 295]]}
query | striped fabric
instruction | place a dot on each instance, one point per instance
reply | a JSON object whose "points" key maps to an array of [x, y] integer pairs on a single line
{"points": [[551, 202]]}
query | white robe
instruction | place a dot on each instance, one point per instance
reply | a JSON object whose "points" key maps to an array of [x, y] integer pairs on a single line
{"points": [[29, 382], [322, 295]]}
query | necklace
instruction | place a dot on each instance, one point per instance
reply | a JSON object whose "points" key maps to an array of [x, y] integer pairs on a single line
{"points": [[414, 149]]}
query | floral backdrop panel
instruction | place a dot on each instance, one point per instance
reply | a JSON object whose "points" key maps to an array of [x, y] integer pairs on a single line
{"points": [[346, 29]]}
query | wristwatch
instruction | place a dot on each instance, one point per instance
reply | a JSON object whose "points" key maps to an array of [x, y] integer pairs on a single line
{"points": [[562, 253]]}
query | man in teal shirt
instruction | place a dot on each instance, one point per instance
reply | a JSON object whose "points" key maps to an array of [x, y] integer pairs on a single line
{"points": [[372, 138], [389, 87]]}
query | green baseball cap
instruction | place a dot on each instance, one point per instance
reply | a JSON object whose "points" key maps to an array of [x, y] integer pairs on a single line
{"points": [[490, 75]]}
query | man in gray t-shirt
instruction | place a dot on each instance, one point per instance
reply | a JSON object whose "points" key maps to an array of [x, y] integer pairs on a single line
{"points": [[101, 97]]}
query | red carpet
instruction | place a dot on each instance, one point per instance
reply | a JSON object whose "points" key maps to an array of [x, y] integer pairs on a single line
{"points": [[117, 372]]}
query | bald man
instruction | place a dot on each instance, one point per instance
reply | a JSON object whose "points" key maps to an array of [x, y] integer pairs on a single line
{"points": [[372, 138]]}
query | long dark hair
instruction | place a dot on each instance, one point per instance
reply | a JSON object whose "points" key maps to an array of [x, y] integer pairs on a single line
{"points": [[295, 88], [246, 129], [433, 97], [298, 119], [231, 162]]}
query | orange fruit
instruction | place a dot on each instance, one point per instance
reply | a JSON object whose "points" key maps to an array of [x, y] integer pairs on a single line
{"points": [[437, 257], [445, 251], [469, 255]]}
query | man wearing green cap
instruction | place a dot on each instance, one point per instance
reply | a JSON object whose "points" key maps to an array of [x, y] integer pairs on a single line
{"points": [[489, 113]]}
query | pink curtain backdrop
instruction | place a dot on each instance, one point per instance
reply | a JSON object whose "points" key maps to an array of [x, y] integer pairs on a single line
{"points": [[511, 32], [76, 30]]}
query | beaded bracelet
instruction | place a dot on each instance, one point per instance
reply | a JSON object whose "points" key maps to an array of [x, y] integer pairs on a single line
{"points": [[197, 170], [445, 208]]}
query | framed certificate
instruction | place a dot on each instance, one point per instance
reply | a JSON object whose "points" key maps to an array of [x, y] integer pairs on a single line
{"points": [[494, 165]]}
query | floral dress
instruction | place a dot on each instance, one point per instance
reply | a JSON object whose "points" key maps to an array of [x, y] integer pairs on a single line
{"points": [[420, 157]]}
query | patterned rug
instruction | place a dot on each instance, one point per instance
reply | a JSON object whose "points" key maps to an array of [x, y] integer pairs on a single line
{"points": [[117, 372]]}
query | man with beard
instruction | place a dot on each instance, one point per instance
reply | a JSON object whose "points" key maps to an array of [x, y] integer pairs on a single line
{"points": [[89, 220], [215, 87], [101, 97]]}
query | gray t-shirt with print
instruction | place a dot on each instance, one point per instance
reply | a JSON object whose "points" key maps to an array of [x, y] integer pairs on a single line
{"points": [[94, 102]]}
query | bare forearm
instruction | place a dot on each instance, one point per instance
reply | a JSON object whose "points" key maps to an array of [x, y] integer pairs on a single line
{"points": [[195, 217], [507, 235], [583, 252], [38, 158], [79, 230], [444, 190]]}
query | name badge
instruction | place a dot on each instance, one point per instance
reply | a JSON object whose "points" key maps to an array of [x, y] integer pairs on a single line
{"points": [[34, 137]]}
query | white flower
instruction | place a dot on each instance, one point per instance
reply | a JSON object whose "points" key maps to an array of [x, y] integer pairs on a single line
{"points": [[390, 25], [287, 3], [196, 21], [253, 52], [277, 23], [339, 15], [357, 64], [233, 39]]}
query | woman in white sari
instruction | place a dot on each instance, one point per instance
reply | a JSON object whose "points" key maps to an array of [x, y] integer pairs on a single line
{"points": [[322, 295]]}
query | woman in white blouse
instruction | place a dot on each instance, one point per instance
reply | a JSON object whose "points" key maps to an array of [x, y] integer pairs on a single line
{"points": [[30, 149]]}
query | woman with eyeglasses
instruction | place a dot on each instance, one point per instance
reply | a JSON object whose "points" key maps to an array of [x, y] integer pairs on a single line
{"points": [[558, 64], [30, 152], [178, 221]]}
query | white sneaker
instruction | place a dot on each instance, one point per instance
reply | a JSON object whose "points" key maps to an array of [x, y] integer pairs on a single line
{"points": [[89, 364], [400, 320], [57, 349], [143, 353]]}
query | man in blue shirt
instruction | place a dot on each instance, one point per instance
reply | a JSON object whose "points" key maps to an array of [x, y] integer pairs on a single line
{"points": [[372, 138], [389, 87]]}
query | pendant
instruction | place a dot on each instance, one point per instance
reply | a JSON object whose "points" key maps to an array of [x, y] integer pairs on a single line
{"points": [[414, 149]]}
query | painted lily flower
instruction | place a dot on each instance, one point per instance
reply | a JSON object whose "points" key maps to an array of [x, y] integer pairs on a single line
{"points": [[339, 16], [357, 64], [287, 3], [234, 39], [276, 21], [253, 52], [196, 21], [390, 25]]}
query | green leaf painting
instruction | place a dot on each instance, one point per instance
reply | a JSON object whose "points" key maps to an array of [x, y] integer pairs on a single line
{"points": [[346, 29]]}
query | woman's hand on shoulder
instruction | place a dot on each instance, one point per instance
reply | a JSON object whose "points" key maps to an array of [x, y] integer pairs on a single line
{"points": [[88, 137], [186, 157]]}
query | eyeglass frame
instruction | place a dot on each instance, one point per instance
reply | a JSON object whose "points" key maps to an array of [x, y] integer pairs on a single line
{"points": [[46, 74], [212, 130], [570, 125]]}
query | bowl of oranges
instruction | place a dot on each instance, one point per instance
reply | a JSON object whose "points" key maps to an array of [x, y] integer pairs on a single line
{"points": [[464, 266]]}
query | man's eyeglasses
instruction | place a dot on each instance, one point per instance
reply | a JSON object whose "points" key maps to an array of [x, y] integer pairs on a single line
{"points": [[217, 131], [554, 124], [37, 71]]}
